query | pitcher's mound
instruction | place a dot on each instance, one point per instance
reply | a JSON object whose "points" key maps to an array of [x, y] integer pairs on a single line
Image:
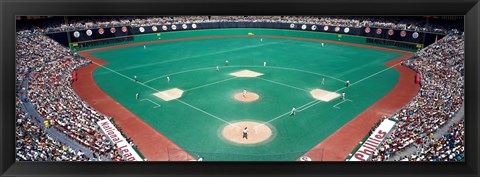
{"points": [[257, 132], [249, 97]]}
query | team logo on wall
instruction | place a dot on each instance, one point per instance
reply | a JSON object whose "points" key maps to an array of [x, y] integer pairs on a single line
{"points": [[379, 31], [325, 28], [101, 31], [154, 28], [174, 27], [390, 32], [89, 32], [367, 30], [164, 28], [141, 29], [292, 25], [194, 26], [304, 27], [184, 26], [403, 33], [76, 34], [346, 30], [112, 30], [337, 29], [124, 29], [314, 27], [415, 35]]}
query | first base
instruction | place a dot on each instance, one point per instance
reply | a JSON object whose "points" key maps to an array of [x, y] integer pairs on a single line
{"points": [[168, 95]]}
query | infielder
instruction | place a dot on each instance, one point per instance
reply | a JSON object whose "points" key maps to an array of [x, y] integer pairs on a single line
{"points": [[168, 78], [294, 110], [264, 63], [347, 83], [245, 133], [226, 62], [323, 81], [137, 96], [218, 68], [343, 95], [244, 93]]}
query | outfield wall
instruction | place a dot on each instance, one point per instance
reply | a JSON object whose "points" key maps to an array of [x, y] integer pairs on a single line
{"points": [[400, 39]]}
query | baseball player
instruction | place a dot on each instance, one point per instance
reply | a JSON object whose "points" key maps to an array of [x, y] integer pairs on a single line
{"points": [[226, 62], [343, 95], [323, 80], [261, 39], [218, 68], [264, 63], [144, 46], [347, 83], [245, 133], [137, 96], [244, 93], [323, 44], [294, 110], [168, 78], [135, 77]]}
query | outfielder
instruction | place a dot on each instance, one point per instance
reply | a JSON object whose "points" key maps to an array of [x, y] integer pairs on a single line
{"points": [[226, 62], [144, 46], [135, 77], [218, 68], [245, 133], [168, 78], [322, 44], [264, 63], [137, 96], [261, 39], [343, 95]]}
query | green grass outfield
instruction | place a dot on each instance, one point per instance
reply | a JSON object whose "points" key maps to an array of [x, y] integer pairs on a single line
{"points": [[294, 67]]}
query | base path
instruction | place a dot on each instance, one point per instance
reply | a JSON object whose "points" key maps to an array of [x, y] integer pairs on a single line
{"points": [[337, 146], [152, 144]]}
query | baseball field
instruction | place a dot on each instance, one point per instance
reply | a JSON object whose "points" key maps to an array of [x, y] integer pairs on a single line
{"points": [[189, 94]]}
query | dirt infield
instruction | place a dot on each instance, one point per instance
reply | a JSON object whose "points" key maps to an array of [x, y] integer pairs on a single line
{"points": [[249, 97], [143, 135], [337, 146], [257, 132]]}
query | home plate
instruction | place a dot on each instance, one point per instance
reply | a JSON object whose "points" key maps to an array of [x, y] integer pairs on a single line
{"points": [[168, 95], [323, 95], [246, 73]]}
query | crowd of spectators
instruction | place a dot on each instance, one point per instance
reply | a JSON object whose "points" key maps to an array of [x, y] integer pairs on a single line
{"points": [[441, 95], [399, 23], [450, 147], [33, 144], [48, 66]]}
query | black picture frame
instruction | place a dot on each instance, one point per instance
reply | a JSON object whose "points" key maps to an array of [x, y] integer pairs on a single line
{"points": [[9, 9]]}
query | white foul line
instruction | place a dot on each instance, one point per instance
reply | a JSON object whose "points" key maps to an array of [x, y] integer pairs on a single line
{"points": [[335, 91], [174, 99]]}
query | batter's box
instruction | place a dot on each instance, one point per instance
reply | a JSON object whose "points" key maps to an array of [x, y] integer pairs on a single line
{"points": [[168, 95], [246, 73], [323, 95]]}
